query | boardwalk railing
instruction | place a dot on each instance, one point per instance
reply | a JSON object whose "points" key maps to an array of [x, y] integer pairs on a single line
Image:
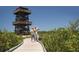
{"points": [[12, 49], [42, 45]]}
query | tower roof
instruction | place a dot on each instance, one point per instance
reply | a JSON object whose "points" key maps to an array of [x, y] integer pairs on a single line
{"points": [[22, 10]]}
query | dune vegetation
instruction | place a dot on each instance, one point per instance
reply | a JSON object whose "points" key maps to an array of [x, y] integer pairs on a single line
{"points": [[8, 40], [62, 39]]}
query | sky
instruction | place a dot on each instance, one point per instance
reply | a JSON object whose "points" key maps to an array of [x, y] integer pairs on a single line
{"points": [[43, 17]]}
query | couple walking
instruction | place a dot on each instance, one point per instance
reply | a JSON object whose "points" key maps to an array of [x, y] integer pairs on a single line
{"points": [[34, 34]]}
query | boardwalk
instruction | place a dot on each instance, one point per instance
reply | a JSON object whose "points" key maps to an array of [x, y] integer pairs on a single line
{"points": [[29, 46]]}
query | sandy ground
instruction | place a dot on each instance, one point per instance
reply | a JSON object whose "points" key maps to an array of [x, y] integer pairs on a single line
{"points": [[29, 46]]}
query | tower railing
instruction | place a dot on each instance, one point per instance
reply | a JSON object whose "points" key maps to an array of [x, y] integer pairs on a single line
{"points": [[22, 22]]}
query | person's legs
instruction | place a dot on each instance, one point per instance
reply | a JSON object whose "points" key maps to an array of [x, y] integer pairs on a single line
{"points": [[37, 37], [32, 37]]}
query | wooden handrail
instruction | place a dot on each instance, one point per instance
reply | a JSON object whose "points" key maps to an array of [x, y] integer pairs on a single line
{"points": [[12, 49]]}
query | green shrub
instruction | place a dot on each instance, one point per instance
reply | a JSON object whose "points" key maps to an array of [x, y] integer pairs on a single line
{"points": [[9, 40], [61, 39]]}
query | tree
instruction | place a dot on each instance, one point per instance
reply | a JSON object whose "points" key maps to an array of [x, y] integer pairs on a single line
{"points": [[74, 25]]}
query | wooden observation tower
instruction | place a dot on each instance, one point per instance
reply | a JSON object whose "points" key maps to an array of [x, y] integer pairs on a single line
{"points": [[22, 22]]}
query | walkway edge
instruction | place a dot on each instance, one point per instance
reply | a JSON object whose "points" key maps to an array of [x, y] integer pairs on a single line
{"points": [[42, 46], [12, 49]]}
